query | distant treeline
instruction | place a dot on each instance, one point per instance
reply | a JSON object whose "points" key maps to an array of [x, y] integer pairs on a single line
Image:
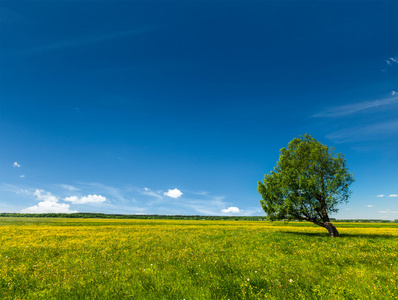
{"points": [[366, 220], [168, 217], [138, 216]]}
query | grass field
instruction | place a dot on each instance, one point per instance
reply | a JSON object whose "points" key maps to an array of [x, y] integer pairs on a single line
{"points": [[162, 259]]}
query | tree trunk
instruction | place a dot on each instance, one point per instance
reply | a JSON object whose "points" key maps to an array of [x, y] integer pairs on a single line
{"points": [[332, 230]]}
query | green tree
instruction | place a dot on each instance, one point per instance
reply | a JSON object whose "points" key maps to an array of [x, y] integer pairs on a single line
{"points": [[307, 183]]}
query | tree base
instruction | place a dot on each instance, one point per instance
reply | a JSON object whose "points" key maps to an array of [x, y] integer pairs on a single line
{"points": [[332, 230]]}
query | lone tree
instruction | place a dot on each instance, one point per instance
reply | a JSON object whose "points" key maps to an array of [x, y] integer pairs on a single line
{"points": [[307, 183]]}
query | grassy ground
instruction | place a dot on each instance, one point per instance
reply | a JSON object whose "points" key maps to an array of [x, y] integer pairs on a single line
{"points": [[162, 259]]}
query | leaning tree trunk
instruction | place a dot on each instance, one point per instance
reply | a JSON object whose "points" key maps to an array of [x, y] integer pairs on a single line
{"points": [[332, 230]]}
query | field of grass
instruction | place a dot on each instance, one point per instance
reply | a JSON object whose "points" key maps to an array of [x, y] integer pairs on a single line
{"points": [[163, 259]]}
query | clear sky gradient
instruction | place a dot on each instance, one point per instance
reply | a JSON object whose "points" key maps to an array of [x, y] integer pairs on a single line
{"points": [[180, 107]]}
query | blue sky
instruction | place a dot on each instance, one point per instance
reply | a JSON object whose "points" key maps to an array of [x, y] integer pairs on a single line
{"points": [[180, 107]]}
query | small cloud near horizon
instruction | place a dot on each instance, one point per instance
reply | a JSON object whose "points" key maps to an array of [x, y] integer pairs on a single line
{"points": [[231, 209], [48, 204], [48, 207], [388, 211]]}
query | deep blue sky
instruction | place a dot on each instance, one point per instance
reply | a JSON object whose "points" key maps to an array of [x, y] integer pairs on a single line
{"points": [[121, 106]]}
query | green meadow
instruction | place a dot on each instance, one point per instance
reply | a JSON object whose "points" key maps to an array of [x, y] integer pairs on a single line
{"points": [[57, 258]]}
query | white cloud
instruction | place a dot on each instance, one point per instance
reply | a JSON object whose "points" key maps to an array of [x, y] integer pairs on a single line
{"points": [[392, 195], [15, 164], [72, 199], [22, 176], [48, 207], [394, 93], [127, 199], [380, 196], [47, 197], [86, 199], [176, 193], [231, 209], [48, 204], [369, 206]]}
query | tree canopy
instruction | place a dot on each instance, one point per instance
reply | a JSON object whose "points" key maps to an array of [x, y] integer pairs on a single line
{"points": [[307, 183]]}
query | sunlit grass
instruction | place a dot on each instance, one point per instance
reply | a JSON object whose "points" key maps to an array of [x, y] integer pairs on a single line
{"points": [[162, 259]]}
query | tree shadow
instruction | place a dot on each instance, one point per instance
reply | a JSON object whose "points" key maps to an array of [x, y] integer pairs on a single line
{"points": [[343, 235]]}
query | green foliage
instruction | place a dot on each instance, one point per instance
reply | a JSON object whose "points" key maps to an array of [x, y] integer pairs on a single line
{"points": [[308, 182]]}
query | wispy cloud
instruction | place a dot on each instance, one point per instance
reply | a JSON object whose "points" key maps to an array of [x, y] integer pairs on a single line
{"points": [[388, 211], [365, 133], [111, 191], [203, 203], [392, 60], [390, 196], [88, 40], [13, 189], [68, 187], [125, 199], [345, 110], [208, 205], [148, 192], [131, 199], [16, 165], [369, 205]]}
